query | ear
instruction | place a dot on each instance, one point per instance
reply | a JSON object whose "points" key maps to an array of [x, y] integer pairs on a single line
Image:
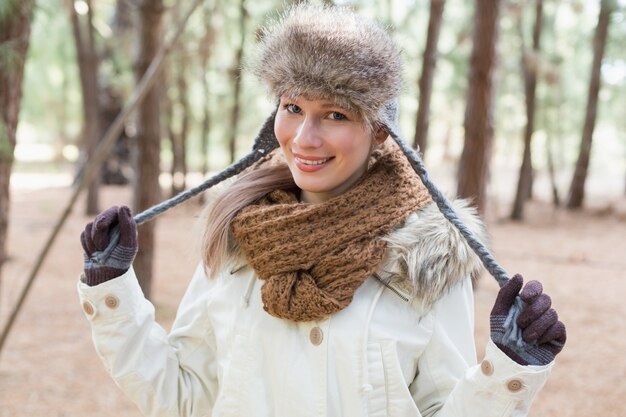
{"points": [[380, 135]]}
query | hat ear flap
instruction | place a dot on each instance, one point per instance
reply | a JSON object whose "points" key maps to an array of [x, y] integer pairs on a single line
{"points": [[266, 140]]}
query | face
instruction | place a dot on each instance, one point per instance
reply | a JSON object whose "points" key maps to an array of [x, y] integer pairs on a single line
{"points": [[326, 147]]}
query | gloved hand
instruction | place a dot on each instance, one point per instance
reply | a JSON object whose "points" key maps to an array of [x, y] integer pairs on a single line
{"points": [[531, 333], [96, 237]]}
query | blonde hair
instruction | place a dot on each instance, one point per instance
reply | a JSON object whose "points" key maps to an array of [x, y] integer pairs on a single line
{"points": [[217, 243]]}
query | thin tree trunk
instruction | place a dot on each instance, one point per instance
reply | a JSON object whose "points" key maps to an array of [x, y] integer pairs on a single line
{"points": [[147, 191], [529, 71], [476, 155], [176, 138], [14, 31], [87, 59], [429, 62], [118, 168], [556, 200], [577, 187], [169, 118], [62, 120], [206, 48], [236, 80], [122, 20], [179, 172]]}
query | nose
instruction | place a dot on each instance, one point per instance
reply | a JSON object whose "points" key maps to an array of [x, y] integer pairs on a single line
{"points": [[308, 134]]}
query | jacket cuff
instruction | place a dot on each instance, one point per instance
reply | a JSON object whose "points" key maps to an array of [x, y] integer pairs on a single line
{"points": [[505, 377], [110, 300]]}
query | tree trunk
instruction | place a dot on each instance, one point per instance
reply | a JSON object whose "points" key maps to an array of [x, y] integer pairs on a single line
{"points": [[429, 62], [179, 139], [577, 187], [122, 20], [475, 158], [115, 169], [169, 117], [14, 31], [87, 59], [551, 172], [236, 80], [529, 71], [206, 48], [552, 122], [147, 191]]}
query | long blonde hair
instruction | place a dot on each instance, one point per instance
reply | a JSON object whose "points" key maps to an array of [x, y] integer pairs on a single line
{"points": [[249, 187]]}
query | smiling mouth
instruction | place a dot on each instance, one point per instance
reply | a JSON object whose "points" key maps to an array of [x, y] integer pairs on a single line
{"points": [[311, 161]]}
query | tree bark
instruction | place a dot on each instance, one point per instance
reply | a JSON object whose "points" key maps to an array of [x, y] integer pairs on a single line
{"points": [[14, 36], [529, 71], [206, 48], [551, 172], [476, 155], [147, 191], [236, 80], [577, 187], [118, 167], [122, 20], [429, 62], [87, 59], [115, 170], [179, 138]]}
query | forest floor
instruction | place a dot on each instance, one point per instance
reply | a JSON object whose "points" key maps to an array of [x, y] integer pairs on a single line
{"points": [[48, 367]]}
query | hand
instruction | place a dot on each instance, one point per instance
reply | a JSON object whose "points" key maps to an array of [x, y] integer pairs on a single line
{"points": [[526, 329], [95, 238]]}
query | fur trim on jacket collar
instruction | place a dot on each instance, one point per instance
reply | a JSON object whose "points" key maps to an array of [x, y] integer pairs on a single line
{"points": [[428, 255]]}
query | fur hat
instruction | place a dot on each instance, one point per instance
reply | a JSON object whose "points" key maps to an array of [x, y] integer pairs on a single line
{"points": [[331, 53]]}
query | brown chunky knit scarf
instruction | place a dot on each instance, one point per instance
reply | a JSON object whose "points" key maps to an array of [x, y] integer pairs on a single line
{"points": [[313, 257]]}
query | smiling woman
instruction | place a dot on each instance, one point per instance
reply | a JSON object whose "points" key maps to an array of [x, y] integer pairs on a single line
{"points": [[331, 283]]}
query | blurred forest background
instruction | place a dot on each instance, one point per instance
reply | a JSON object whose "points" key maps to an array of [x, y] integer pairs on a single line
{"points": [[508, 101]]}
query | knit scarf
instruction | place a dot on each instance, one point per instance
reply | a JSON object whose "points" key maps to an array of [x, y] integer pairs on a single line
{"points": [[313, 257]]}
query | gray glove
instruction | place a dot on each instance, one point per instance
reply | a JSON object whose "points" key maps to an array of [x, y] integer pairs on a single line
{"points": [[103, 263], [526, 329]]}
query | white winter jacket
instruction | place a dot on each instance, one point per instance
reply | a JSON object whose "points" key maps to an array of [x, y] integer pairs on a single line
{"points": [[391, 352]]}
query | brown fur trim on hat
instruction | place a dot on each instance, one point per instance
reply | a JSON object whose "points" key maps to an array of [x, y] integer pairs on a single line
{"points": [[330, 53]]}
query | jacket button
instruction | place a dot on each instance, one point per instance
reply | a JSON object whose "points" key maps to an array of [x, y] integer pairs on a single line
{"points": [[316, 336], [88, 308], [486, 367], [111, 301], [514, 385]]}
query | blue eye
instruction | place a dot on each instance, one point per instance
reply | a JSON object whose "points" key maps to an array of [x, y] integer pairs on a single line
{"points": [[337, 116], [292, 108]]}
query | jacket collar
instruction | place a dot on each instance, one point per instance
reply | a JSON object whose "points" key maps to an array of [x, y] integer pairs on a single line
{"points": [[427, 255]]}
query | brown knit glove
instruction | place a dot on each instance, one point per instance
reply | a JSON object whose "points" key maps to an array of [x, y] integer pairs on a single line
{"points": [[529, 333], [103, 261]]}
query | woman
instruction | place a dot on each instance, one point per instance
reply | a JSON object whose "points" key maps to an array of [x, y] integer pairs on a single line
{"points": [[331, 285]]}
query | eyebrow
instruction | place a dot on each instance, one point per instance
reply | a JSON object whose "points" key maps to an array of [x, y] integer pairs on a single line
{"points": [[333, 106], [327, 105]]}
